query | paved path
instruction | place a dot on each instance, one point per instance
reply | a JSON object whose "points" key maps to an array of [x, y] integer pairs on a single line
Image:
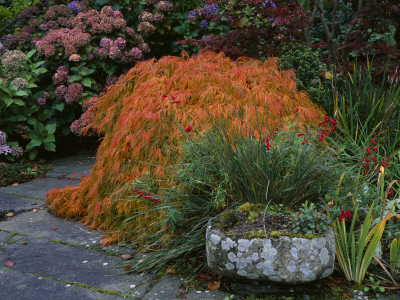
{"points": [[67, 262]]}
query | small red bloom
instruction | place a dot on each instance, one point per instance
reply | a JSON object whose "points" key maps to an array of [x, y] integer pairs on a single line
{"points": [[140, 194], [164, 96], [333, 122], [371, 158], [373, 142], [300, 134], [373, 149], [368, 151], [156, 200], [365, 166], [384, 163], [135, 191], [177, 102], [147, 196], [304, 141], [309, 134], [297, 110], [172, 97], [366, 159], [189, 128], [387, 159], [390, 193], [320, 138]]}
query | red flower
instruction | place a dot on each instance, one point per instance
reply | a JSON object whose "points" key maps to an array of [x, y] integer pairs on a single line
{"points": [[156, 200], [189, 128], [147, 196], [368, 151], [140, 194], [300, 134], [373, 149], [345, 215], [136, 190], [384, 163], [296, 111], [304, 141], [177, 102], [366, 159], [309, 134], [164, 96], [371, 158], [387, 159], [320, 138], [390, 193], [372, 141], [333, 122]]}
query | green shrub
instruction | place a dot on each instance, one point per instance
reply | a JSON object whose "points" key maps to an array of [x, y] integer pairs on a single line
{"points": [[307, 66]]}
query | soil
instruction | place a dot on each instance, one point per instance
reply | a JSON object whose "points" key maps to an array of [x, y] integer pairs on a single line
{"points": [[253, 224]]}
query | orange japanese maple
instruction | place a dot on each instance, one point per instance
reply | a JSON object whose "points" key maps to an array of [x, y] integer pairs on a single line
{"points": [[138, 118]]}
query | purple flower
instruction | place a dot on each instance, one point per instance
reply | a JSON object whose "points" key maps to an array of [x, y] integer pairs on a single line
{"points": [[101, 53], [111, 80], [41, 101], [4, 149], [60, 92], [120, 43], [106, 43], [136, 53], [74, 6], [3, 138], [191, 16], [74, 93], [114, 53], [210, 9], [269, 3], [144, 47], [203, 24]]}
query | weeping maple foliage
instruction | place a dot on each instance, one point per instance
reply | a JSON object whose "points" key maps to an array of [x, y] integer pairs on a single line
{"points": [[141, 119]]}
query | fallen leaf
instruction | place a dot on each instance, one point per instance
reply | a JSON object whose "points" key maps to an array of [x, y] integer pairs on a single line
{"points": [[10, 214], [212, 286], [346, 296], [10, 264], [34, 203], [53, 228], [24, 243], [170, 271], [35, 210], [328, 75], [127, 268], [15, 184], [204, 277], [126, 256]]}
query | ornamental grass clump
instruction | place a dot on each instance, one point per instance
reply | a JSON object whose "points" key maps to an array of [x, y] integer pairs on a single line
{"points": [[140, 116]]}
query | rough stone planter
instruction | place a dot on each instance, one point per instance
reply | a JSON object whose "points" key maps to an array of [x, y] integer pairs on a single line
{"points": [[279, 259]]}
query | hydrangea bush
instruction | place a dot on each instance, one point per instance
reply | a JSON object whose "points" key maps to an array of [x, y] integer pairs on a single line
{"points": [[76, 52]]}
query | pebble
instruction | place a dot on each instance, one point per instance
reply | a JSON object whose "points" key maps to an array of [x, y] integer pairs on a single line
{"points": [[105, 264], [132, 286]]}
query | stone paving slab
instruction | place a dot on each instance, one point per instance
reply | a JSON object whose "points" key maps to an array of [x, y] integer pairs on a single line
{"points": [[165, 288], [74, 166], [193, 294], [17, 203], [67, 263], [37, 188], [39, 224], [17, 285]]}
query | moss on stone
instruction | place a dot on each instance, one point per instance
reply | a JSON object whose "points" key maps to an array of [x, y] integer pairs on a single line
{"points": [[247, 207], [227, 219], [275, 234]]}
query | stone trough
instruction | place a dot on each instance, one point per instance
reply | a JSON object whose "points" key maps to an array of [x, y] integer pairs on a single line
{"points": [[278, 259]]}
